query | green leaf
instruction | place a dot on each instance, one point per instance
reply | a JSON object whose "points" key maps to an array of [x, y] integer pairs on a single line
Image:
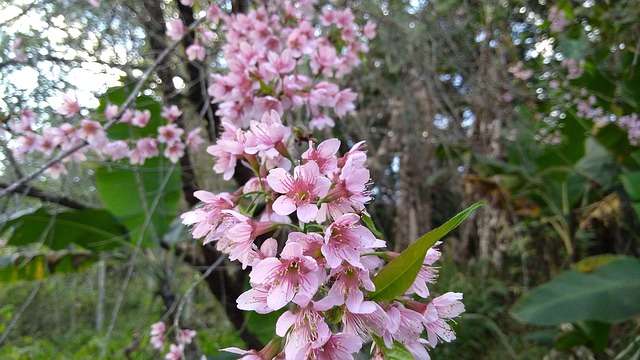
{"points": [[94, 229], [631, 182], [398, 352], [23, 266], [130, 193], [263, 325], [398, 275], [602, 295], [371, 226]]}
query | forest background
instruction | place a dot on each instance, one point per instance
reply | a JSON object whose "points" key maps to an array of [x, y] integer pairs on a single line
{"points": [[529, 105]]}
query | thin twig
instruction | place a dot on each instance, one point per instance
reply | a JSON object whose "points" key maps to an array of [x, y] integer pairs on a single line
{"points": [[17, 316], [176, 321]]}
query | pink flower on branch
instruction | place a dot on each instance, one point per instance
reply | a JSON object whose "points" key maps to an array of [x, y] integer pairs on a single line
{"points": [[290, 278], [346, 240], [207, 218], [175, 29], [70, 106], [240, 232], [300, 192], [171, 113], [308, 331], [169, 134]]}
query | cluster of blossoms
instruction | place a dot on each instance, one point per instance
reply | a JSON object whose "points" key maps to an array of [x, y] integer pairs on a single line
{"points": [[276, 54], [176, 351], [48, 140], [324, 270]]}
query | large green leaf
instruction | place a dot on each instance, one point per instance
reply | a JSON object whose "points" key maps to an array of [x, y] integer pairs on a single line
{"points": [[398, 275], [93, 229], [140, 193], [606, 294], [16, 267]]}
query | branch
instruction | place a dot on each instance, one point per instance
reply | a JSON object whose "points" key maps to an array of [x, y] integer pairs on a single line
{"points": [[130, 99], [39, 194]]}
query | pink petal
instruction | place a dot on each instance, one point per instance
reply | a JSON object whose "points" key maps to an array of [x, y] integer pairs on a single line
{"points": [[306, 213], [261, 271], [279, 180], [284, 205], [285, 321]]}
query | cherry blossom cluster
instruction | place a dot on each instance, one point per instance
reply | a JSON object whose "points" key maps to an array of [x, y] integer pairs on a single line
{"points": [[314, 204], [176, 351], [283, 56], [49, 139]]}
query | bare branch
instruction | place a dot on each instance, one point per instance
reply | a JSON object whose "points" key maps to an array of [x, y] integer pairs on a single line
{"points": [[39, 194]]}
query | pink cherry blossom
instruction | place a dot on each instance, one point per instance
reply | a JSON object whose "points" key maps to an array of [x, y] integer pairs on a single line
{"points": [[268, 133], [228, 149], [110, 111], [140, 118], [238, 238], [70, 106], [300, 192], [344, 102], [174, 151], [194, 140], [349, 194], [280, 64], [338, 346], [171, 113], [157, 335], [321, 121], [187, 336], [308, 331], [324, 60], [311, 244], [290, 278], [426, 275], [175, 352], [209, 216], [255, 299], [175, 29], [346, 240], [346, 290], [92, 132], [442, 308], [126, 116], [169, 134], [362, 325], [369, 30], [117, 150], [324, 156], [56, 170], [195, 51], [25, 122]]}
